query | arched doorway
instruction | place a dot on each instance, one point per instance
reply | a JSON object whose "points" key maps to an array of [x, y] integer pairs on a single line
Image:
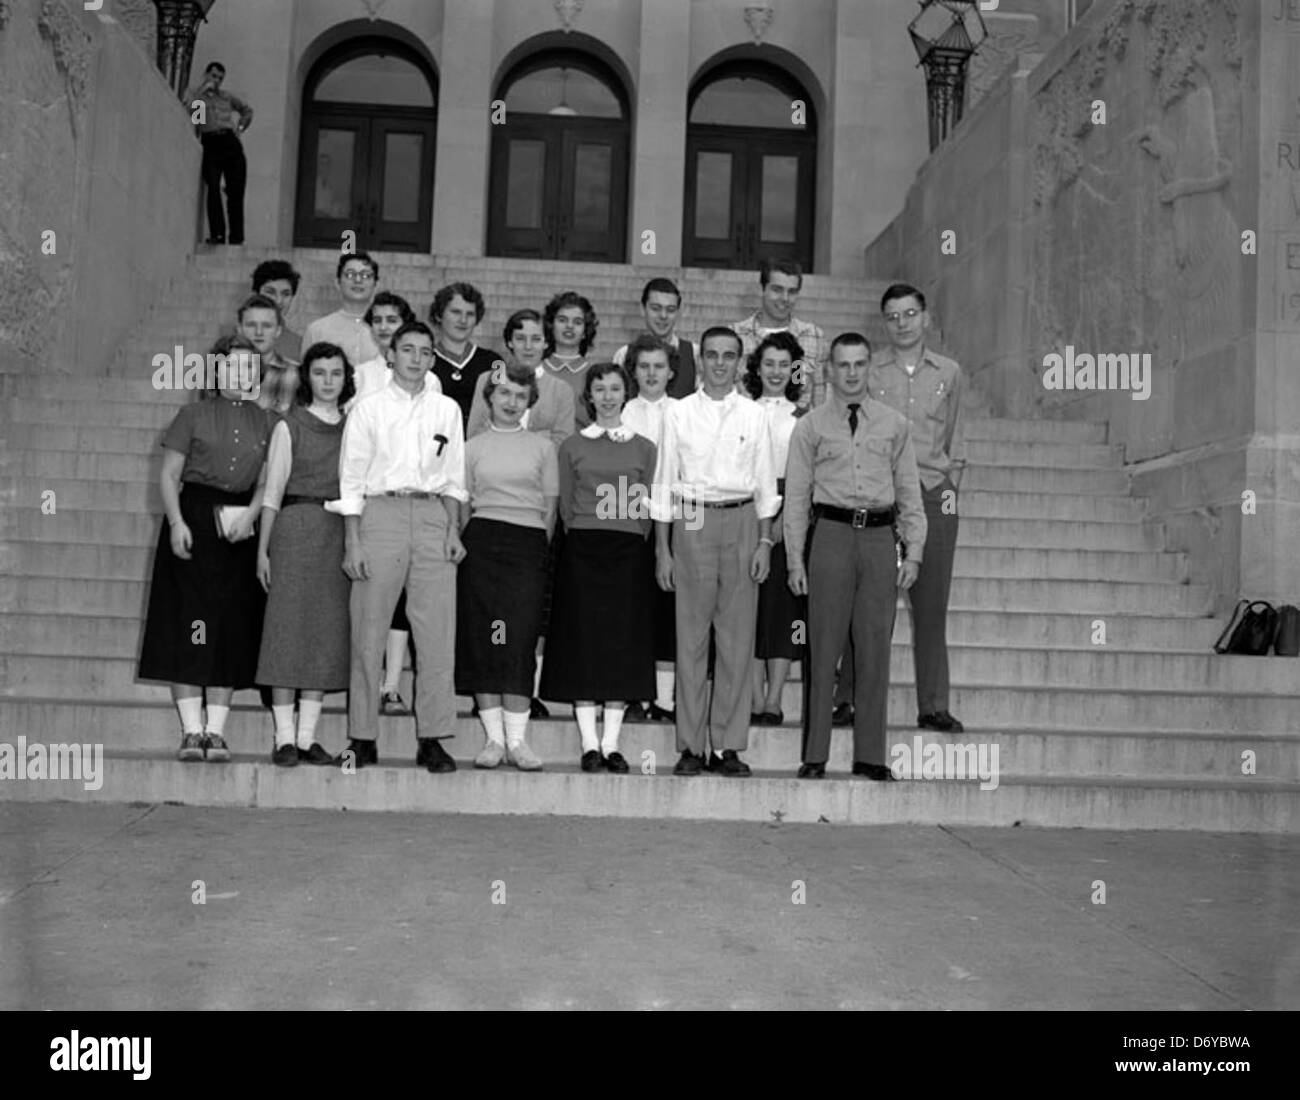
{"points": [[559, 162], [365, 160], [750, 168]]}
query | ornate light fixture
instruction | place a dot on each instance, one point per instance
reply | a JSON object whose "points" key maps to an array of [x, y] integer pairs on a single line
{"points": [[568, 11], [758, 17], [562, 108], [178, 24], [946, 34]]}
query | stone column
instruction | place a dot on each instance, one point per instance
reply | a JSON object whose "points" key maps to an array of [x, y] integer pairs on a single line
{"points": [[460, 185], [1270, 566], [659, 132]]}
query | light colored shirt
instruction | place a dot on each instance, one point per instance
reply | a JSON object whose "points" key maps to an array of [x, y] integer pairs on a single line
{"points": [[816, 350], [352, 334], [573, 373], [394, 442], [647, 417], [684, 347], [553, 415], [780, 421], [511, 476], [874, 468], [219, 111], [374, 374], [931, 400], [712, 452]]}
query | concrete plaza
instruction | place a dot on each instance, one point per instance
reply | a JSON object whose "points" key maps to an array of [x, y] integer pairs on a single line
{"points": [[333, 910]]}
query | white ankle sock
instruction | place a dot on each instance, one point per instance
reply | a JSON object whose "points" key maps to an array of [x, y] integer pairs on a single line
{"points": [[586, 717], [308, 715], [191, 712], [394, 659], [665, 680], [613, 724], [537, 677], [283, 715], [493, 724], [217, 715], [516, 727]]}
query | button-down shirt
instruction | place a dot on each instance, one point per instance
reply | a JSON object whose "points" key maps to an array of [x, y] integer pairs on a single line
{"points": [[715, 451], [781, 420], [220, 109], [815, 346], [647, 417], [931, 399], [224, 442], [393, 441], [374, 374], [875, 468]]}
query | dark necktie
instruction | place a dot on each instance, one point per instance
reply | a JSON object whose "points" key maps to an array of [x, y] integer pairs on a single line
{"points": [[853, 419]]}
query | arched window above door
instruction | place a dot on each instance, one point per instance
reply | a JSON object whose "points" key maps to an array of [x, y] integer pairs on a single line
{"points": [[375, 78], [561, 90]]}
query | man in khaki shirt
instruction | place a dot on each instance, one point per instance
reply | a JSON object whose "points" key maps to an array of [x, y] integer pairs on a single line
{"points": [[850, 477]]}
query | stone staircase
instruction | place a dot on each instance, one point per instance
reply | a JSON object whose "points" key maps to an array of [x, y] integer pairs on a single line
{"points": [[1147, 730]]}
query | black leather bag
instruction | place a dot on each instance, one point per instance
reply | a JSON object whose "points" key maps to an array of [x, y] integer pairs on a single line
{"points": [[1286, 642], [1250, 631]]}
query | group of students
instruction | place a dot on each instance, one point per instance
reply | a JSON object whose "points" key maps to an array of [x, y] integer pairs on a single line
{"points": [[607, 534]]}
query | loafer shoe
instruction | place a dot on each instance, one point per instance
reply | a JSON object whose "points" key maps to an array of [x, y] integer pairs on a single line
{"points": [[361, 753], [523, 758], [391, 706], [812, 771], [732, 765], [878, 772], [615, 763], [191, 749], [315, 755], [285, 756], [771, 717], [592, 761], [431, 755], [842, 715], [215, 750], [940, 720], [656, 713], [635, 712], [689, 764], [491, 756]]}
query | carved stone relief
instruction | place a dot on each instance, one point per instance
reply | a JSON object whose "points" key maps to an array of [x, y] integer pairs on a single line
{"points": [[1009, 36], [71, 45]]}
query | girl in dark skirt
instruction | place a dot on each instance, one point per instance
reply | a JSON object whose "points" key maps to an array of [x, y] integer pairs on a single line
{"points": [[204, 622], [601, 641], [782, 617], [511, 478], [305, 637]]}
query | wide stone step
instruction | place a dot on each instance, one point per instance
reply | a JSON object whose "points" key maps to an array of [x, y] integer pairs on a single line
{"points": [[1252, 805], [81, 634], [1074, 753], [989, 504]]}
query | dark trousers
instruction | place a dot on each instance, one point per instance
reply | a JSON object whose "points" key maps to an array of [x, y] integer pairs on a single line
{"points": [[929, 601], [223, 157], [852, 592]]}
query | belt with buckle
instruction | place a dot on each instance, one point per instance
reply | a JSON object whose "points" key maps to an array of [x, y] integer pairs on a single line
{"points": [[725, 503], [857, 518], [407, 494], [295, 498]]}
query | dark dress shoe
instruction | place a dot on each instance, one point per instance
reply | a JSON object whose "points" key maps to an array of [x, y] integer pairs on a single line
{"points": [[878, 772], [537, 709], [940, 720], [314, 755], [615, 763], [361, 753], [712, 762], [771, 718], [391, 706], [634, 712], [732, 765], [812, 771], [285, 756], [431, 755], [591, 761], [656, 713], [756, 718], [842, 715], [215, 240], [689, 764]]}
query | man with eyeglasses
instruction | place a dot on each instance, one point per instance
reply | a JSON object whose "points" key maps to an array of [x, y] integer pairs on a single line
{"points": [[358, 275], [661, 304], [927, 388], [781, 282]]}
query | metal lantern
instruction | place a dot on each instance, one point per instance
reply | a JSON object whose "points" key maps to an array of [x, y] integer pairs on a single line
{"points": [[946, 34], [178, 23]]}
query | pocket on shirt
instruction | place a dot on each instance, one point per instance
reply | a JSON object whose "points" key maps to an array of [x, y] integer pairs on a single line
{"points": [[877, 446]]}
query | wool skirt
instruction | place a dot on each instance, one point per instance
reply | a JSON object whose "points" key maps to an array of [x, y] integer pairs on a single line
{"points": [[306, 638], [204, 622], [601, 640], [500, 587], [782, 616]]}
